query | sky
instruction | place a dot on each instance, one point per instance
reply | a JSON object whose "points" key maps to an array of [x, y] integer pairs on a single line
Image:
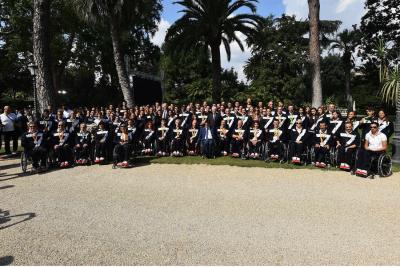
{"points": [[348, 11]]}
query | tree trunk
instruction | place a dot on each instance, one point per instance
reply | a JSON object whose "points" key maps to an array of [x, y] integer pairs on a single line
{"points": [[315, 52], [120, 65], [216, 69], [347, 76], [41, 53]]}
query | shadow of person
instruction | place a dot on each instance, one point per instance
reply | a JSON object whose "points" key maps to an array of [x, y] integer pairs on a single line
{"points": [[5, 217], [7, 260]]}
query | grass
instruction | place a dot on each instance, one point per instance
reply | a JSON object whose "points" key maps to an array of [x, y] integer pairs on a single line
{"points": [[227, 161]]}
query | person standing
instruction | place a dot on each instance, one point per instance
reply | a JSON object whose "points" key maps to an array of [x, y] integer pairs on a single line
{"points": [[8, 120]]}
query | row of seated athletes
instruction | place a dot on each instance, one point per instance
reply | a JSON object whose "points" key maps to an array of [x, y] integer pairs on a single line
{"points": [[277, 143]]}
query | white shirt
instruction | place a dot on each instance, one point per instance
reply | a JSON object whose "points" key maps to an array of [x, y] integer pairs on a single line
{"points": [[375, 141], [8, 122], [209, 134]]}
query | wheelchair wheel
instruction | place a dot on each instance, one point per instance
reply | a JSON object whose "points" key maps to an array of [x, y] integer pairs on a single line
{"points": [[333, 156], [384, 167], [311, 154], [24, 162]]}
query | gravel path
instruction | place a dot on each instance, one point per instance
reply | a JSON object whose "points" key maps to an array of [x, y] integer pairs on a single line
{"points": [[197, 215]]}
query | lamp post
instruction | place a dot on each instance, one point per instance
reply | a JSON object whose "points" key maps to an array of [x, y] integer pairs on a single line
{"points": [[32, 69]]}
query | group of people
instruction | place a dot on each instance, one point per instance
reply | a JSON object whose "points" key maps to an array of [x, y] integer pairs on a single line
{"points": [[250, 131]]}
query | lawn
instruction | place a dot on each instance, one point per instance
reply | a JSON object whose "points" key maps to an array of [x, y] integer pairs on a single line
{"points": [[219, 161]]}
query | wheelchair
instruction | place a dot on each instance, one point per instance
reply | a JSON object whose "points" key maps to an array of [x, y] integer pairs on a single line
{"points": [[331, 158], [381, 165], [259, 151], [284, 152], [305, 157], [26, 162]]}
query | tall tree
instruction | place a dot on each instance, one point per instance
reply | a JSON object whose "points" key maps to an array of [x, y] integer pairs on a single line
{"points": [[212, 23], [41, 53], [119, 16], [315, 52], [380, 22], [346, 42]]}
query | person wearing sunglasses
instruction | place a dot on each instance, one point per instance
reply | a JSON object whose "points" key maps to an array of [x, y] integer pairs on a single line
{"points": [[375, 144], [298, 139], [347, 143], [34, 144]]}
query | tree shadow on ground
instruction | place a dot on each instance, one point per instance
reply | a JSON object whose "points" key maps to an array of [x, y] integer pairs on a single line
{"points": [[6, 186], [9, 166], [5, 218], [6, 260]]}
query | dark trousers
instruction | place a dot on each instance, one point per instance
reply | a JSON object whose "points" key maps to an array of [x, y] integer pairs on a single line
{"points": [[276, 148], [296, 149], [223, 145], [38, 154], [321, 154], [254, 148], [8, 136], [236, 146], [82, 152], [177, 145], [365, 158], [101, 150], [63, 153], [162, 145], [347, 155], [207, 148], [122, 152]]}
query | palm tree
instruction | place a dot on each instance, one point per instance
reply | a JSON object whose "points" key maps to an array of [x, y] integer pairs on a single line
{"points": [[210, 23], [315, 52], [347, 41], [114, 14], [390, 93], [41, 53]]}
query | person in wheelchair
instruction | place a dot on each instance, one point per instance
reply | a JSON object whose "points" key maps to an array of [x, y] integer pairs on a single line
{"points": [[34, 144], [239, 139], [297, 144], [123, 147], [322, 143], [177, 139], [224, 138], [102, 143], [375, 145], [163, 139], [347, 143], [193, 138], [256, 137], [206, 140], [275, 141], [148, 138], [83, 145], [62, 144]]}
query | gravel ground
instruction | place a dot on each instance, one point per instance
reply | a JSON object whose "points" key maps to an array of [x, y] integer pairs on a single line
{"points": [[197, 215]]}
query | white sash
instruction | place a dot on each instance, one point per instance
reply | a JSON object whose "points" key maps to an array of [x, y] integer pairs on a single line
{"points": [[292, 119], [351, 137], [338, 124], [316, 123], [328, 136], [303, 132]]}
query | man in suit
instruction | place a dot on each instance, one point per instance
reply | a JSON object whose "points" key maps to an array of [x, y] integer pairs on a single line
{"points": [[207, 140], [214, 118]]}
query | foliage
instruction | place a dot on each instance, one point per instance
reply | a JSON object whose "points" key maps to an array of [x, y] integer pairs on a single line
{"points": [[391, 86], [210, 23], [380, 22], [278, 67]]}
